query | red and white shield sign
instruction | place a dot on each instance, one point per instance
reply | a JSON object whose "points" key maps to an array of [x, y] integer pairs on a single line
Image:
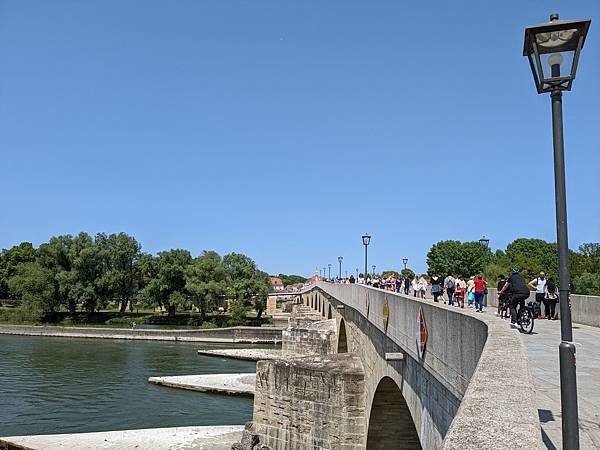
{"points": [[421, 333]]}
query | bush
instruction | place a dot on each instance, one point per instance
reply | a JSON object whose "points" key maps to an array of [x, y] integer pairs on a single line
{"points": [[208, 325]]}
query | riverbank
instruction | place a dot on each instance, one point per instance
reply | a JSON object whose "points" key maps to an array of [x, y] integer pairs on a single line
{"points": [[246, 335], [180, 438], [227, 383]]}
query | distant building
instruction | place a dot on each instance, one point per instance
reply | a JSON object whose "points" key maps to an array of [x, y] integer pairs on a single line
{"points": [[277, 284]]}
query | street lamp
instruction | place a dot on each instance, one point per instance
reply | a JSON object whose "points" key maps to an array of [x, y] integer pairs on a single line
{"points": [[553, 51], [340, 259], [366, 239], [405, 262], [373, 267], [323, 272], [329, 277], [357, 274]]}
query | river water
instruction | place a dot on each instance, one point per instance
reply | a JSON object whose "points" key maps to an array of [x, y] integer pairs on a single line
{"points": [[65, 385]]}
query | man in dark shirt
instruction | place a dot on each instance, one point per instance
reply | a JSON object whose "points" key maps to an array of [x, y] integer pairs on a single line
{"points": [[518, 291]]}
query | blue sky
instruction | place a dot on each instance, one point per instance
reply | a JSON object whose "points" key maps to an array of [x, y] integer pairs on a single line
{"points": [[285, 130]]}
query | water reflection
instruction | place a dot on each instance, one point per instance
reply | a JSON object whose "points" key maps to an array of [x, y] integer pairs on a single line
{"points": [[65, 385]]}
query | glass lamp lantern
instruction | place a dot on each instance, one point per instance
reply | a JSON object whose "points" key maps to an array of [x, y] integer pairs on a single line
{"points": [[366, 238], [553, 50], [484, 242]]}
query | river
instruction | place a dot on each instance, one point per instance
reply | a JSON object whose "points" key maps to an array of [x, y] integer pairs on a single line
{"points": [[65, 385]]}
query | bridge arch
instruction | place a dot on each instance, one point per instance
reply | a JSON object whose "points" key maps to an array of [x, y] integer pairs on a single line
{"points": [[342, 345], [390, 423]]}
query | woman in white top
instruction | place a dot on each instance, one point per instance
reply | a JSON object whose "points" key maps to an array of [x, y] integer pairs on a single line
{"points": [[415, 286], [423, 283]]}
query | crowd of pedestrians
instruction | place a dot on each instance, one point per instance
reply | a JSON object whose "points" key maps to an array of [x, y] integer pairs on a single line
{"points": [[454, 289]]}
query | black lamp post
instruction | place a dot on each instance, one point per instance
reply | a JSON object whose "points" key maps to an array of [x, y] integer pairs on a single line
{"points": [[323, 272], [357, 274], [366, 239], [373, 267], [485, 244], [405, 262], [329, 276], [553, 50], [340, 259]]}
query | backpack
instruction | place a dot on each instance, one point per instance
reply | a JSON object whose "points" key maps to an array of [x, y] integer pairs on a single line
{"points": [[450, 284]]}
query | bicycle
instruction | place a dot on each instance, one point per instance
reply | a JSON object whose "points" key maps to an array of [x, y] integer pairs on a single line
{"points": [[526, 318]]}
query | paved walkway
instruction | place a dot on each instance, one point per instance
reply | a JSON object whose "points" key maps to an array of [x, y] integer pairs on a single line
{"points": [[542, 347]]}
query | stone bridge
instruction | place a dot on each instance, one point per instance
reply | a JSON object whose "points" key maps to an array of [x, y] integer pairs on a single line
{"points": [[380, 370]]}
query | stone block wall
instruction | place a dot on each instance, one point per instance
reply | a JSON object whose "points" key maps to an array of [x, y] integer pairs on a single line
{"points": [[315, 402], [317, 338]]}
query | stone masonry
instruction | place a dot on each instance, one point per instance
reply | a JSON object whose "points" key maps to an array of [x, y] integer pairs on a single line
{"points": [[315, 402], [316, 338]]}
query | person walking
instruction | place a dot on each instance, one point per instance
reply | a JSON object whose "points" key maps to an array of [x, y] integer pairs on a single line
{"points": [[416, 287], [471, 291], [480, 288], [539, 284], [461, 291], [551, 298], [406, 284], [423, 282], [502, 298], [436, 287], [450, 285]]}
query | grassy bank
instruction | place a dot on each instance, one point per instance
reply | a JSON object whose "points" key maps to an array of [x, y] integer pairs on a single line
{"points": [[15, 316]]}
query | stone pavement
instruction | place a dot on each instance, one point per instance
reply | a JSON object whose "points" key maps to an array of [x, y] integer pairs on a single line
{"points": [[542, 347], [226, 383]]}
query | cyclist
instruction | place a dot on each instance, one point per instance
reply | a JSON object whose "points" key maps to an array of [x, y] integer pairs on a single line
{"points": [[518, 293]]}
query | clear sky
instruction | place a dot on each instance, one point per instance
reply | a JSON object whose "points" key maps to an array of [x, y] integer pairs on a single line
{"points": [[285, 130]]}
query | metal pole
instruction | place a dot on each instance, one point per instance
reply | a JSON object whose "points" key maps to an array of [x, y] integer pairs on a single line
{"points": [[329, 266], [340, 261], [568, 375], [366, 266]]}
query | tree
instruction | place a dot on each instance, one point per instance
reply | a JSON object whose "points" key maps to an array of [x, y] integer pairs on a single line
{"points": [[237, 313], [33, 284], [122, 253], [166, 286], [588, 284], [454, 257], [390, 273], [10, 260], [533, 256], [291, 279], [246, 282], [206, 281]]}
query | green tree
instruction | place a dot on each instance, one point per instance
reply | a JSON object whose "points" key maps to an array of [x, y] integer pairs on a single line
{"points": [[408, 273], [122, 253], [10, 260], [237, 313], [206, 281], [246, 282], [166, 285], [34, 286], [533, 256], [389, 273], [291, 279], [464, 259], [587, 284]]}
